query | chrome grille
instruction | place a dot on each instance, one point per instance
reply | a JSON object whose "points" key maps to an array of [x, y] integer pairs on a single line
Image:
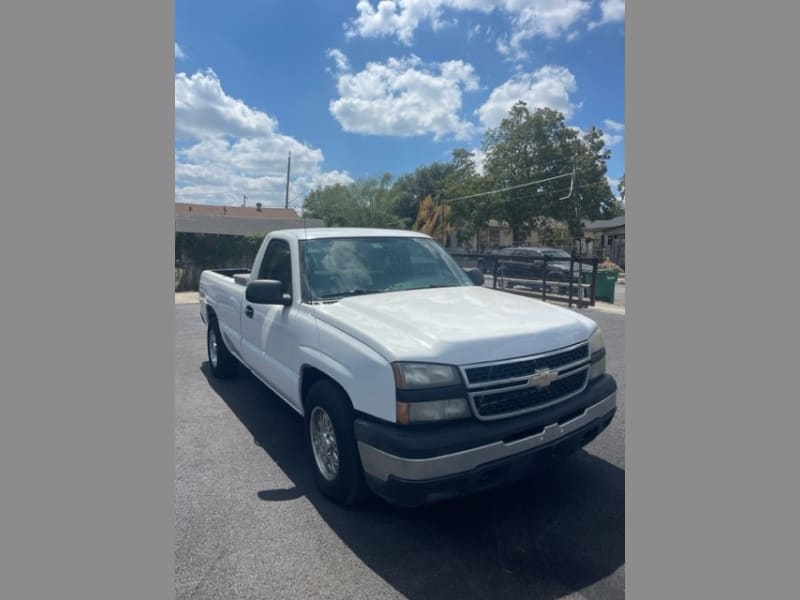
{"points": [[506, 388], [526, 366], [506, 402]]}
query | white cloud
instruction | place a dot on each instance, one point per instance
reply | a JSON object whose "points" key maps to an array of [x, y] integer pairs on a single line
{"points": [[611, 139], [228, 148], [339, 58], [550, 86], [203, 109], [547, 18], [179, 53], [611, 11], [405, 97], [529, 18]]}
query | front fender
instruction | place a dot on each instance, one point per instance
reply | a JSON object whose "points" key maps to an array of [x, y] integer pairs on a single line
{"points": [[364, 374]]}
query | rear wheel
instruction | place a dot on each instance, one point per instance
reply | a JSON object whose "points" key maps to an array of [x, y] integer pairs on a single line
{"points": [[332, 444], [223, 364]]}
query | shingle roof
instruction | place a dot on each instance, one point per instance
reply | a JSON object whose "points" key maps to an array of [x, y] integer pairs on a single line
{"points": [[237, 220], [239, 225], [210, 210]]}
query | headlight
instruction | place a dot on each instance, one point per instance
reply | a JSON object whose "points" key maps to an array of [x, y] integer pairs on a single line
{"points": [[413, 376], [419, 376], [432, 410], [597, 352]]}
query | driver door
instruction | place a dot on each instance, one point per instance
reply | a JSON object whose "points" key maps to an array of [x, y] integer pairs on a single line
{"points": [[267, 329]]}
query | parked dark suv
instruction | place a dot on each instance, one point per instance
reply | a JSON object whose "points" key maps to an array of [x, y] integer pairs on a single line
{"points": [[486, 265], [557, 253], [512, 265]]}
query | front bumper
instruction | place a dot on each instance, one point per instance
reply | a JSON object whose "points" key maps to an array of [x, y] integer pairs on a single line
{"points": [[418, 466]]}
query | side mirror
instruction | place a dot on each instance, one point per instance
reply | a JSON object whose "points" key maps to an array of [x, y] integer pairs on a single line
{"points": [[266, 291], [475, 275]]}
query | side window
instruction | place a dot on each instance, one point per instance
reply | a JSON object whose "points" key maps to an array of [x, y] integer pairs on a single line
{"points": [[277, 264]]}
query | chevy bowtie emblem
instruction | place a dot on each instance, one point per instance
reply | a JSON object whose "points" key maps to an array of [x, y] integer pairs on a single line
{"points": [[542, 378]]}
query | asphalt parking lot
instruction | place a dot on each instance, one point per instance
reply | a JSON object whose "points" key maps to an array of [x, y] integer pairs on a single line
{"points": [[250, 524]]}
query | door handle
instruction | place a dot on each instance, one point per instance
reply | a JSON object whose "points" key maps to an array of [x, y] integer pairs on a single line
{"points": [[249, 312]]}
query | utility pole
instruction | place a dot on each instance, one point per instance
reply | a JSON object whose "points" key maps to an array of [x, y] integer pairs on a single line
{"points": [[441, 223], [288, 172]]}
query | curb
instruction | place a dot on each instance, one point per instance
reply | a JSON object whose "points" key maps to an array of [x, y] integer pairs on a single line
{"points": [[187, 298], [607, 308]]}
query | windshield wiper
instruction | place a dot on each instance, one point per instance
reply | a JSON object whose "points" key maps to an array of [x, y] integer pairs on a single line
{"points": [[432, 285], [354, 292]]}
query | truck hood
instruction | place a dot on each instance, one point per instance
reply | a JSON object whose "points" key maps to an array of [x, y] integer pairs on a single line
{"points": [[456, 325]]}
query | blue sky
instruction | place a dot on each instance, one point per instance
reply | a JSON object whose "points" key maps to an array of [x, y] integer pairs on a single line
{"points": [[358, 88]]}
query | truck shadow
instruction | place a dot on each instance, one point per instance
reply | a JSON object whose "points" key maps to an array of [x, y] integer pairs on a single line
{"points": [[554, 533]]}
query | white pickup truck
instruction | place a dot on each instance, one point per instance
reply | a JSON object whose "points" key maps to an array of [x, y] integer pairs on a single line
{"points": [[414, 380]]}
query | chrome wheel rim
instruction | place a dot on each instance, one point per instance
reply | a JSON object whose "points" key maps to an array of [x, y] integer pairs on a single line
{"points": [[212, 348], [323, 443]]}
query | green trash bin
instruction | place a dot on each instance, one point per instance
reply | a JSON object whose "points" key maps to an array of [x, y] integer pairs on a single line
{"points": [[606, 283]]}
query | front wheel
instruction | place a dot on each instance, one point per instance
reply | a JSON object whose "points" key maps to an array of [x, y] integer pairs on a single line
{"points": [[332, 444]]}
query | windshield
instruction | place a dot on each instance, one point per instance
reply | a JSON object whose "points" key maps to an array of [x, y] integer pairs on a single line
{"points": [[338, 267]]}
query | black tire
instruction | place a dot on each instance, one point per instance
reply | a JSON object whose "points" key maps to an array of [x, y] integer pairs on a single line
{"points": [[345, 484], [224, 365]]}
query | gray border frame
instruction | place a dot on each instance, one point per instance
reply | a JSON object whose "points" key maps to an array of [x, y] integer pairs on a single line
{"points": [[711, 126], [86, 240]]}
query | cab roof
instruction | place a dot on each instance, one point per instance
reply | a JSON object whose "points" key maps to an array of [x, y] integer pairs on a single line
{"points": [[347, 232]]}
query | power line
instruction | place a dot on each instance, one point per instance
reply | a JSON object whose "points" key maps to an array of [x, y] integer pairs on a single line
{"points": [[512, 187]]}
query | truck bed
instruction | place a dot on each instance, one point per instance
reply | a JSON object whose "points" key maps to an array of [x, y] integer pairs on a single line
{"points": [[239, 275]]}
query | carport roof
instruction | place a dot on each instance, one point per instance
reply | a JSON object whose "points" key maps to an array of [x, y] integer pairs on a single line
{"points": [[606, 224], [212, 210], [237, 220]]}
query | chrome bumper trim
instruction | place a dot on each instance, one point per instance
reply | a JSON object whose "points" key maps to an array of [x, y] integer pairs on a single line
{"points": [[381, 465]]}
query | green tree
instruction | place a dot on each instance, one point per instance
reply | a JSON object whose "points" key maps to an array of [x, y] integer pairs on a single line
{"points": [[471, 214], [336, 205], [375, 195], [410, 189], [363, 203], [526, 147]]}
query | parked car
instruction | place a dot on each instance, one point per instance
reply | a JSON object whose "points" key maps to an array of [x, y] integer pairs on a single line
{"points": [[558, 253], [414, 381], [486, 264], [528, 263]]}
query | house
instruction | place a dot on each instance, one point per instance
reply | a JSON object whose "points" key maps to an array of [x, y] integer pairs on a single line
{"points": [[237, 220], [498, 234], [230, 250], [606, 239]]}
